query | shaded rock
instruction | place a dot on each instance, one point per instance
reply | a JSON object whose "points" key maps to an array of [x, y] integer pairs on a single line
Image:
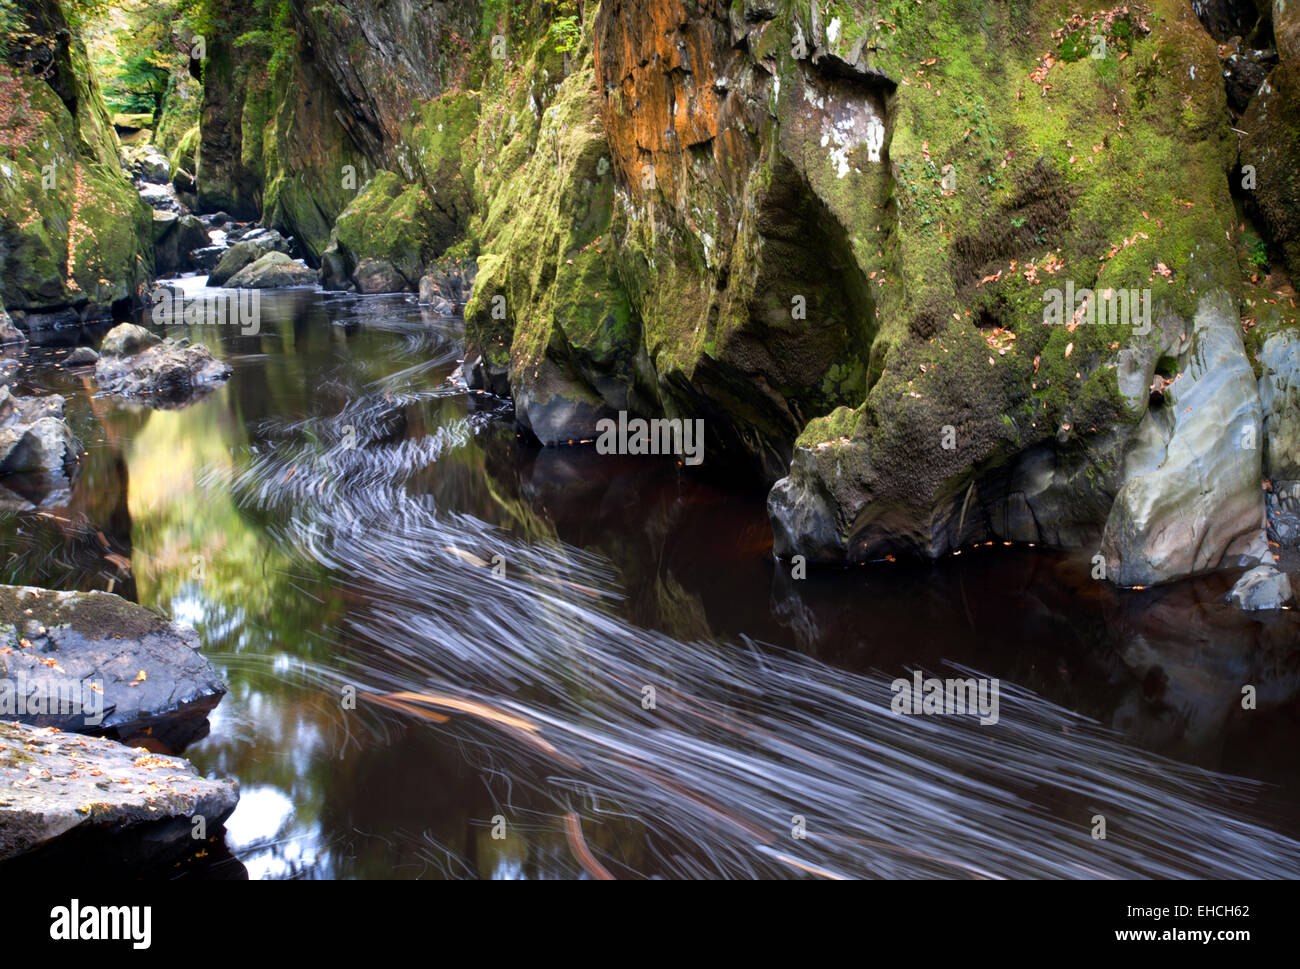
{"points": [[135, 363], [80, 357], [183, 181], [206, 257], [1279, 396], [34, 437], [1191, 497], [8, 332], [1243, 73], [378, 276], [274, 270], [53, 784], [147, 163], [1263, 587], [92, 661], [245, 252]]}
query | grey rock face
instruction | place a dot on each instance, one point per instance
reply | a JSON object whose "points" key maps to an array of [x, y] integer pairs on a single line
{"points": [[91, 661], [1262, 587], [54, 783], [1191, 497]]}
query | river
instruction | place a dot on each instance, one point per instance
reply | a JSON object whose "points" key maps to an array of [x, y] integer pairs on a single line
{"points": [[452, 654]]}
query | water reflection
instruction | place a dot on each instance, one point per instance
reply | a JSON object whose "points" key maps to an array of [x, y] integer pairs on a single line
{"points": [[311, 557]]}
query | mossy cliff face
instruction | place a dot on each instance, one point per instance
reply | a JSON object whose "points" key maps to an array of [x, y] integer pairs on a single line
{"points": [[73, 232], [1021, 163]]}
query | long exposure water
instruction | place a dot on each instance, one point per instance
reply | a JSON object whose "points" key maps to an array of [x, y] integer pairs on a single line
{"points": [[452, 654]]}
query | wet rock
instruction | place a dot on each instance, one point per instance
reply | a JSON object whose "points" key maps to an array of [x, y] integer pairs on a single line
{"points": [[275, 270], [8, 332], [1243, 73], [55, 784], [183, 181], [1262, 587], [245, 252], [175, 236], [1279, 396], [34, 437], [135, 363], [80, 357], [480, 375], [1191, 498], [92, 661], [206, 258], [127, 340], [1272, 146], [378, 276], [147, 163]]}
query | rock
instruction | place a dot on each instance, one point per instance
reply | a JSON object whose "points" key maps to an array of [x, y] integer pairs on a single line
{"points": [[1279, 396], [1190, 498], [34, 437], [378, 276], [245, 252], [1272, 146], [1243, 73], [135, 363], [8, 332], [218, 219], [57, 784], [274, 270], [206, 258], [80, 357], [99, 645], [126, 340], [8, 367], [183, 181], [147, 163], [175, 236], [1262, 587]]}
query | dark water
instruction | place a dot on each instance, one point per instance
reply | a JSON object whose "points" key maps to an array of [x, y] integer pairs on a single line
{"points": [[329, 519]]}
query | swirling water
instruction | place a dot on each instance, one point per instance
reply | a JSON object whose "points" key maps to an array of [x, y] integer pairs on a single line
{"points": [[452, 654]]}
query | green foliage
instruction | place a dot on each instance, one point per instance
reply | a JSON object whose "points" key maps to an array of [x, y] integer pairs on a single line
{"points": [[566, 34]]}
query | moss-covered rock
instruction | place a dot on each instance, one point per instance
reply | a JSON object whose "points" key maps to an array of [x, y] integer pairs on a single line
{"points": [[73, 230]]}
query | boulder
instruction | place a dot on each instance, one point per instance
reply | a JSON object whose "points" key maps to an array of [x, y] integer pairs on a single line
{"points": [[80, 357], [245, 252], [1191, 499], [8, 332], [59, 784], [92, 661], [275, 270], [1262, 587], [135, 363], [378, 276], [34, 437]]}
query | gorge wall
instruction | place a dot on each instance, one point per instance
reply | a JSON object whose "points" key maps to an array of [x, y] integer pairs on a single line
{"points": [[825, 227]]}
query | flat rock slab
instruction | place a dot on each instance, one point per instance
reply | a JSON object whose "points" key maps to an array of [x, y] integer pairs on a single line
{"points": [[91, 661], [54, 783]]}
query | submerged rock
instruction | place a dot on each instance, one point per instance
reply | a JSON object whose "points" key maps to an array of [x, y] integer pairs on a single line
{"points": [[55, 784], [1262, 587], [275, 270], [92, 661], [135, 363]]}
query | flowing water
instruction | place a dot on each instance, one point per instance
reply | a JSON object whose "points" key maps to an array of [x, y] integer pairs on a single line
{"points": [[453, 654]]}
